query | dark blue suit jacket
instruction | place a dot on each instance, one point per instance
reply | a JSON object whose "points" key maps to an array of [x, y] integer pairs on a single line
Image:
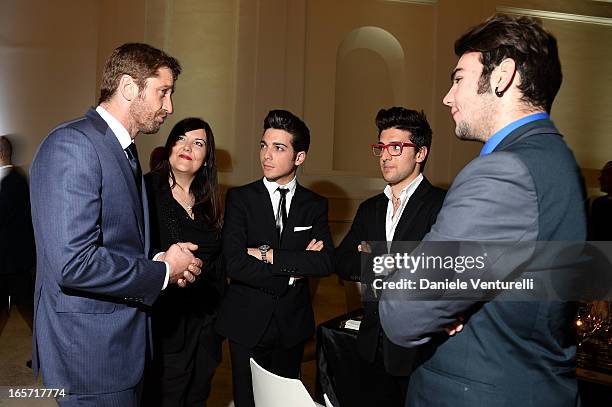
{"points": [[94, 276]]}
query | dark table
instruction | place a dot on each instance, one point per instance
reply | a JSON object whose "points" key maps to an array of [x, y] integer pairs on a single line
{"points": [[338, 363]]}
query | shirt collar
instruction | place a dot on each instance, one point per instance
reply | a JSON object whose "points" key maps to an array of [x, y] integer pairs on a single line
{"points": [[6, 166], [408, 190], [272, 186], [497, 138], [117, 128]]}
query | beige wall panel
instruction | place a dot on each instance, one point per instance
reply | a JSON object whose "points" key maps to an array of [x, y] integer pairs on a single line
{"points": [[583, 109], [202, 35], [448, 154], [119, 21], [269, 74], [47, 68]]}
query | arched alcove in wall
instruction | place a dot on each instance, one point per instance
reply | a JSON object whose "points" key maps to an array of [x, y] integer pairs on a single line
{"points": [[369, 75]]}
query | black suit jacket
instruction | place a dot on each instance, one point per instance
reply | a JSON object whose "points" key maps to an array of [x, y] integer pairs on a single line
{"points": [[260, 291], [369, 225], [17, 251]]}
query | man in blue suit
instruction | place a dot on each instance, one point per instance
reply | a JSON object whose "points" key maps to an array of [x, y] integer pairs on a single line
{"points": [[525, 186], [95, 278]]}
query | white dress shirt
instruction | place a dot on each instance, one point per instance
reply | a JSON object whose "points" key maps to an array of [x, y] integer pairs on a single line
{"points": [[123, 136], [404, 196], [272, 188], [4, 170]]}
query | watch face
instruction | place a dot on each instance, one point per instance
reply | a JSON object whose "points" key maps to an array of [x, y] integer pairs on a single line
{"points": [[264, 247]]}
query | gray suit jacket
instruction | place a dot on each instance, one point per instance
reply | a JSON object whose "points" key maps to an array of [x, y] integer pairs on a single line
{"points": [[92, 244], [509, 353]]}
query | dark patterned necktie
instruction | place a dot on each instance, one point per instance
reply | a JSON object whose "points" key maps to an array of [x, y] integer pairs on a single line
{"points": [[132, 155], [281, 214]]}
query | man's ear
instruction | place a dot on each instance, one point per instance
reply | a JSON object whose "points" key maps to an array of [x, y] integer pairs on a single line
{"points": [[421, 155], [300, 157], [128, 89], [504, 75]]}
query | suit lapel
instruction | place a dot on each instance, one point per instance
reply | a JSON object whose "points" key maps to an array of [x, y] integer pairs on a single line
{"points": [[298, 202], [114, 148], [380, 227]]}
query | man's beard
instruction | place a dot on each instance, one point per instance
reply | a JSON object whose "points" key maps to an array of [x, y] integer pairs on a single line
{"points": [[145, 118], [464, 131], [480, 129], [150, 127]]}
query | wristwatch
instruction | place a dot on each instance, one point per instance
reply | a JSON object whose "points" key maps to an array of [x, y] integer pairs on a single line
{"points": [[263, 249]]}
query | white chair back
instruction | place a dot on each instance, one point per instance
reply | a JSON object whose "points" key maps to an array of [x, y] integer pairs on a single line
{"points": [[270, 390]]}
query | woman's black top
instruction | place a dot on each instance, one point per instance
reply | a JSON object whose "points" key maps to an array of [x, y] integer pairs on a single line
{"points": [[177, 307]]}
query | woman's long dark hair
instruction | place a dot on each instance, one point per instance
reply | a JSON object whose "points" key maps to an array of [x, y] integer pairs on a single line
{"points": [[205, 186]]}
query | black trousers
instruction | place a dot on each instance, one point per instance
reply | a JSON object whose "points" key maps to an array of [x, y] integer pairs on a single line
{"points": [[184, 378], [270, 354], [379, 388], [20, 288]]}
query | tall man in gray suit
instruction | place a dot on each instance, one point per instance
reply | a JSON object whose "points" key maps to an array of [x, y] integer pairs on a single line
{"points": [[509, 353], [90, 215]]}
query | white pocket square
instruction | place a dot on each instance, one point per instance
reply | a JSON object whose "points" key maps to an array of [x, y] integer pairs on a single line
{"points": [[301, 228]]}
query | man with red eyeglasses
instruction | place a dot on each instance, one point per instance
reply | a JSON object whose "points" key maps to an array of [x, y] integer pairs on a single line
{"points": [[404, 211]]}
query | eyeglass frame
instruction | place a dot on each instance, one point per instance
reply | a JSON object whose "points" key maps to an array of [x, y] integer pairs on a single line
{"points": [[384, 147]]}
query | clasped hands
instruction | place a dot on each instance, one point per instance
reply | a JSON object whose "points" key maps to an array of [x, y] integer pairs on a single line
{"points": [[184, 266]]}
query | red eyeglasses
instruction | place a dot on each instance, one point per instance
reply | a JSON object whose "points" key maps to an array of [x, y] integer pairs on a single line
{"points": [[395, 148]]}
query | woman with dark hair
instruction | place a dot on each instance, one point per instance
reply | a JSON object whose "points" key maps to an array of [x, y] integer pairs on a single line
{"points": [[183, 195]]}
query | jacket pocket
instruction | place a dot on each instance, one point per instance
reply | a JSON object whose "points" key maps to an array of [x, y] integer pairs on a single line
{"points": [[71, 303]]}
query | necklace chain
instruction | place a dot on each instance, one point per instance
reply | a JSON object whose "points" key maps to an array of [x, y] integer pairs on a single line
{"points": [[187, 204]]}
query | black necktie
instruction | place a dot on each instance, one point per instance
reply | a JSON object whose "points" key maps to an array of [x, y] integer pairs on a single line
{"points": [[132, 155], [281, 214]]}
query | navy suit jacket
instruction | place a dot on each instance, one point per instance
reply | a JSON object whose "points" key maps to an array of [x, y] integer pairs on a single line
{"points": [[94, 276]]}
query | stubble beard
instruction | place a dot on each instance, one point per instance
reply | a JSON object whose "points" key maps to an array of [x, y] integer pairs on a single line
{"points": [[481, 128], [144, 118]]}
